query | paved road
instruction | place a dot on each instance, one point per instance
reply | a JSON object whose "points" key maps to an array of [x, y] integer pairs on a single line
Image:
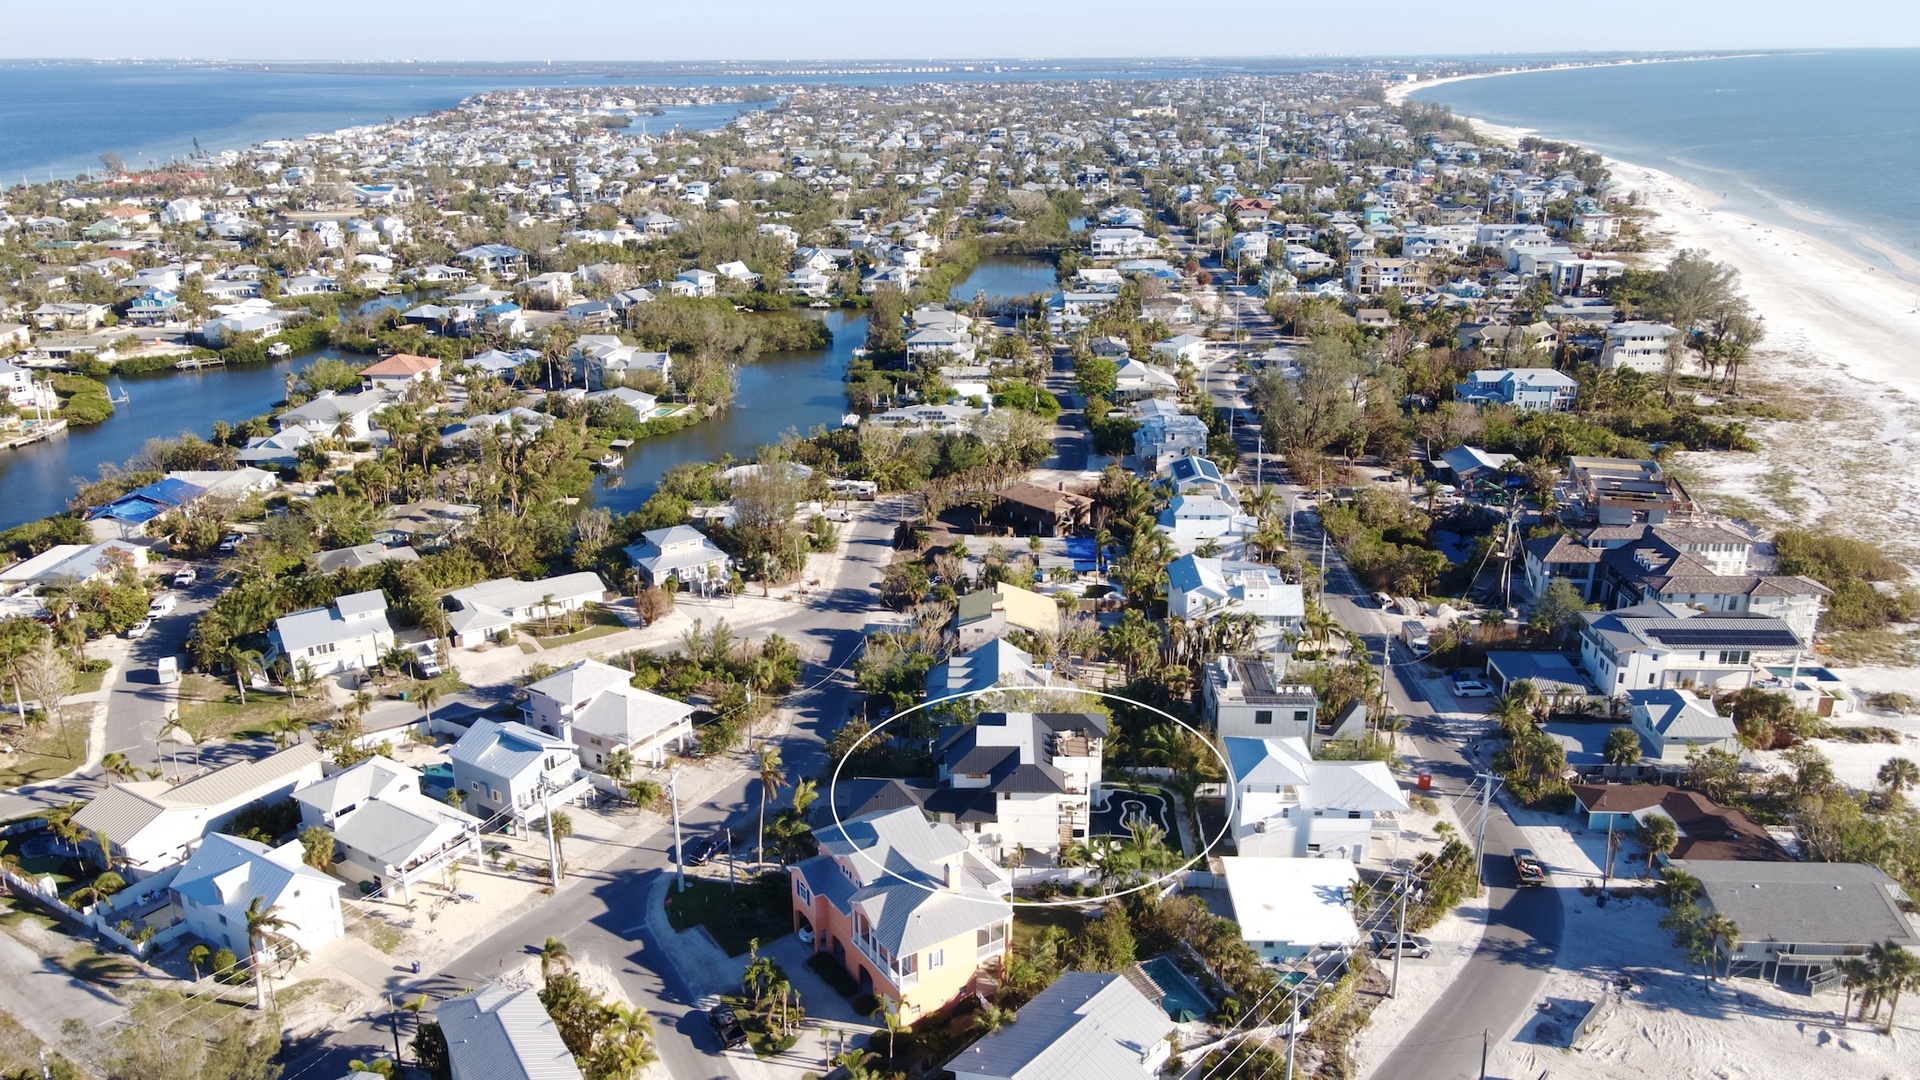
{"points": [[602, 915], [1524, 928]]}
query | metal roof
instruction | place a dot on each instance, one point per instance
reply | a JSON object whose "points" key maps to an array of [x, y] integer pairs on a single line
{"points": [[503, 1033], [1086, 1026]]}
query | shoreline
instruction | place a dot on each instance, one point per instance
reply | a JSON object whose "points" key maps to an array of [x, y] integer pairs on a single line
{"points": [[1841, 333]]}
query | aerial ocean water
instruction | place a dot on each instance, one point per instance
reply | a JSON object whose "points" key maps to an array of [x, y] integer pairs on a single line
{"points": [[1822, 142]]}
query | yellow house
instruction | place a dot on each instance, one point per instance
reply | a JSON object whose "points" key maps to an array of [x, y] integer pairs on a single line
{"points": [[1029, 610], [906, 906]]}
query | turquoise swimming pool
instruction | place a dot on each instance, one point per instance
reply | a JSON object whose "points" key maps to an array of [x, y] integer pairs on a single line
{"points": [[1183, 1000]]}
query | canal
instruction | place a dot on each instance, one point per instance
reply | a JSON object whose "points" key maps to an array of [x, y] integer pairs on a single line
{"points": [[1006, 277]]}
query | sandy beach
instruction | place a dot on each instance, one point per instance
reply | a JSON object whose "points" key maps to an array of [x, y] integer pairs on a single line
{"points": [[1842, 346]]}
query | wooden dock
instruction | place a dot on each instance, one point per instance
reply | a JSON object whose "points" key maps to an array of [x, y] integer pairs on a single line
{"points": [[195, 362], [40, 431]]}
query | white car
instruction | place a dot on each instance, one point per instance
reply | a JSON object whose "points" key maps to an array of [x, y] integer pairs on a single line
{"points": [[1466, 688], [133, 633], [162, 605], [185, 577]]}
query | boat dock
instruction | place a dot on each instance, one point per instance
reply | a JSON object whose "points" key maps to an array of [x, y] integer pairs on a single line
{"points": [[36, 431], [194, 362]]}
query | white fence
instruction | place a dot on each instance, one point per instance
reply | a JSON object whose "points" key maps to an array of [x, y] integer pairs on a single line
{"points": [[47, 892]]}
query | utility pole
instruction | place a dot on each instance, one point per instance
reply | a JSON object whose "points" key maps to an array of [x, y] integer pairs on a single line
{"points": [[1606, 876], [1486, 1041], [1486, 808], [679, 849], [553, 842], [1293, 1026], [1400, 944]]}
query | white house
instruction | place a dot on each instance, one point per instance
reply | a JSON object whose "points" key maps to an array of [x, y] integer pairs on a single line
{"points": [[1656, 645], [1672, 724], [597, 707], [1200, 588], [485, 609], [606, 361], [680, 552], [511, 768], [1246, 699], [1287, 805], [384, 830], [1086, 1026], [227, 874], [1293, 909], [154, 824], [1121, 243], [349, 635], [1639, 346], [1019, 778], [398, 372], [335, 415], [694, 283], [1189, 519], [1524, 388]]}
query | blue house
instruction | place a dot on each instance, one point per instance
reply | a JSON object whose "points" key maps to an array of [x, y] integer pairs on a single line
{"points": [[1526, 389], [129, 514], [154, 306]]}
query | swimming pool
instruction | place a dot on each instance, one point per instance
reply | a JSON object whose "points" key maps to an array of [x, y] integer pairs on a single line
{"points": [[1183, 1000]]}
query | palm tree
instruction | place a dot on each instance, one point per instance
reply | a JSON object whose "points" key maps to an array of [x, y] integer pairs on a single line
{"points": [[1658, 834], [197, 956], [771, 779], [1897, 775], [264, 926], [245, 662], [1719, 928], [554, 954], [1895, 970], [428, 695], [1623, 746], [992, 1018], [118, 766], [889, 1012], [1857, 974], [619, 765]]}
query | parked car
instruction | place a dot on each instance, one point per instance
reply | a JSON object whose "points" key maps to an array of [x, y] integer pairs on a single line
{"points": [[701, 849], [1466, 688], [1527, 866], [162, 604], [134, 632], [231, 543], [428, 665], [726, 1025], [187, 576], [1386, 944]]}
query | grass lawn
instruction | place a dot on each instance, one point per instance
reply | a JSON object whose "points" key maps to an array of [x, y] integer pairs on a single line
{"points": [[1029, 922], [37, 752], [600, 623], [28, 768], [210, 708], [86, 682], [734, 916]]}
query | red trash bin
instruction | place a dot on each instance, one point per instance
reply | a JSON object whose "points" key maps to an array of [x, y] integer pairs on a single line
{"points": [[1426, 781]]}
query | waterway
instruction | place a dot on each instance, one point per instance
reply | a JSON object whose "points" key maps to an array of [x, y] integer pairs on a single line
{"points": [[777, 393], [1006, 278]]}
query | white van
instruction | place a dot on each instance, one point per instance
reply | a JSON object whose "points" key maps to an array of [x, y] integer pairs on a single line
{"points": [[168, 669]]}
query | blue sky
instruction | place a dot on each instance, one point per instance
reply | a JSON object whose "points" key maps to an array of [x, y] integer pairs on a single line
{"points": [[815, 29]]}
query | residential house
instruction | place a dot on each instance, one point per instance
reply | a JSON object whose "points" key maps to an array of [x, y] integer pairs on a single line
{"points": [[1121, 243], [1470, 465], [385, 831], [1165, 432], [1287, 805], [361, 556], [226, 875], [1245, 698], [350, 634], [694, 283], [130, 514], [1698, 566], [607, 361], [335, 416], [428, 524], [398, 372], [482, 611], [1625, 491], [1020, 781], [503, 1032], [68, 316], [1673, 724], [681, 553], [1526, 389], [511, 769], [1371, 277], [933, 345], [1134, 380], [1706, 829], [1293, 909], [996, 663], [1191, 519], [153, 824], [1040, 511], [1190, 475], [1799, 919], [598, 708], [1190, 348], [905, 906], [1085, 1026], [1650, 646], [1637, 346], [1200, 588]]}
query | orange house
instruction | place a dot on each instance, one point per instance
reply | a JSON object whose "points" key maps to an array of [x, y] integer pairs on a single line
{"points": [[906, 906]]}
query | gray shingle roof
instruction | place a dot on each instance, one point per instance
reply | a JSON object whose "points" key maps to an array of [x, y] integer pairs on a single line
{"points": [[1086, 1026], [1804, 903]]}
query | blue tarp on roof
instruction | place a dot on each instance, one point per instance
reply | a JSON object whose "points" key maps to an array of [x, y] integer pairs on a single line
{"points": [[147, 503]]}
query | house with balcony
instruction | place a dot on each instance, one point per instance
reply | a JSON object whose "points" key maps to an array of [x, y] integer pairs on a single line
{"points": [[1287, 805], [510, 768], [1561, 558], [152, 825], [1199, 589], [682, 553], [1657, 645], [225, 876], [1801, 918], [905, 906], [1246, 698], [597, 708], [1527, 389], [1673, 724], [1637, 346], [1626, 491], [384, 830], [1020, 780], [1371, 277]]}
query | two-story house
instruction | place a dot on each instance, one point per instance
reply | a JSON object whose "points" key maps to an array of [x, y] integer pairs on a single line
{"points": [[680, 552], [1201, 589], [1023, 780], [400, 371], [349, 635], [512, 769], [1527, 389], [1637, 346], [1086, 1026], [597, 708], [335, 416], [226, 874], [1246, 698], [906, 906], [1649, 646], [1673, 724], [385, 831], [1287, 805]]}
